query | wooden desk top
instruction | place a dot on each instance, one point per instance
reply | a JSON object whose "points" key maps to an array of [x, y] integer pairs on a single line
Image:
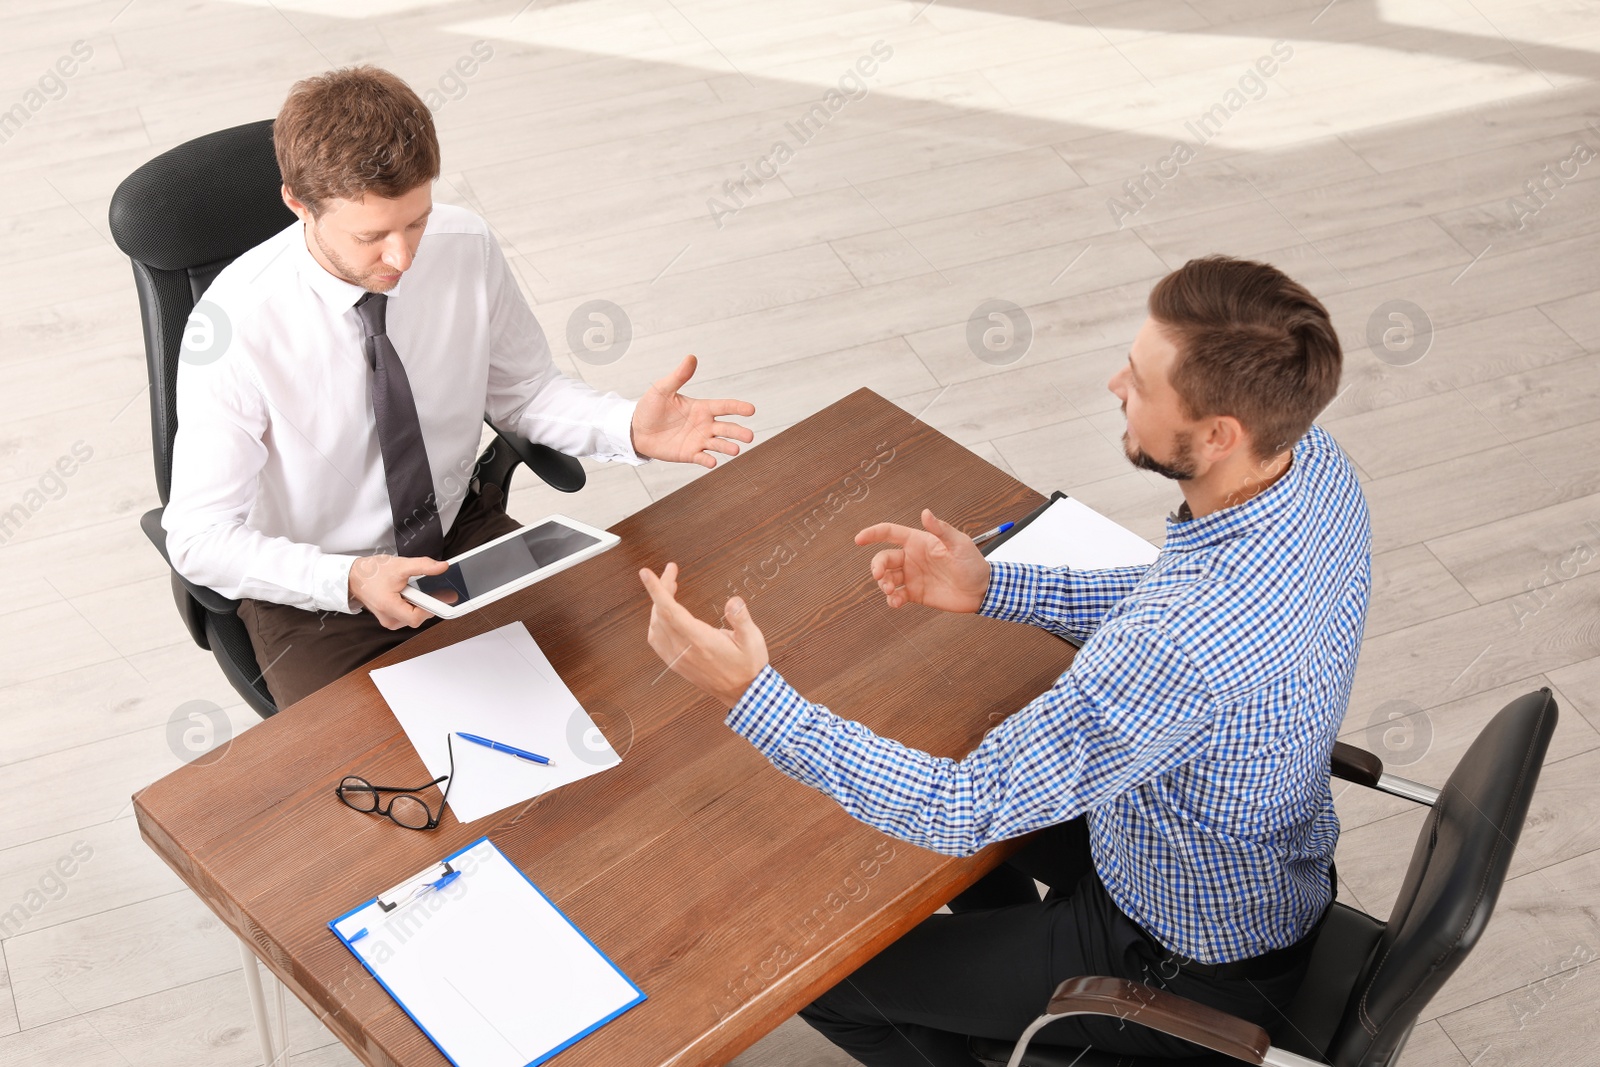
{"points": [[730, 893]]}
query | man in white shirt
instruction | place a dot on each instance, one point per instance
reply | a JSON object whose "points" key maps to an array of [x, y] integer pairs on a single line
{"points": [[329, 416]]}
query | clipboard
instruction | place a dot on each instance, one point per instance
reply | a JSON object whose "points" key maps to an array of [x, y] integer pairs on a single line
{"points": [[1065, 532], [996, 542], [490, 970]]}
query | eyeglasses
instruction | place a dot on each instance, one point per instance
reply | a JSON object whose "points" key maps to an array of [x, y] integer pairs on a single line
{"points": [[406, 808]]}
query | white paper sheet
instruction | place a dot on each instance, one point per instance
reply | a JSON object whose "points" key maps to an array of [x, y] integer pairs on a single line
{"points": [[1072, 534], [489, 969], [497, 685]]}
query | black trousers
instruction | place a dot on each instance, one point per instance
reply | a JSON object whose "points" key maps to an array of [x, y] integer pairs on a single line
{"points": [[989, 969]]}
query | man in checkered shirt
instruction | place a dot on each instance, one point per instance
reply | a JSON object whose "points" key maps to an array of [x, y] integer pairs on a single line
{"points": [[1178, 772]]}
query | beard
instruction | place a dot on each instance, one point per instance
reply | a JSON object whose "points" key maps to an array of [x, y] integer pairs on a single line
{"points": [[368, 281], [1180, 469]]}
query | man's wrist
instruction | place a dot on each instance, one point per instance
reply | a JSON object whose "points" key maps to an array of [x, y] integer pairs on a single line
{"points": [[988, 584], [731, 697]]}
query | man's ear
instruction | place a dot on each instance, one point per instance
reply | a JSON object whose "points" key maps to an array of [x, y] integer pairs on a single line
{"points": [[296, 206], [1223, 438]]}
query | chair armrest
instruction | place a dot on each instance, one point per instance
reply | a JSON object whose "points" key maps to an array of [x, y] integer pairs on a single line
{"points": [[558, 470], [210, 599], [1363, 768], [1356, 765], [1163, 1011]]}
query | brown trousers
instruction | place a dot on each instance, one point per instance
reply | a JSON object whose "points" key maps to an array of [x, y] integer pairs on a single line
{"points": [[303, 650]]}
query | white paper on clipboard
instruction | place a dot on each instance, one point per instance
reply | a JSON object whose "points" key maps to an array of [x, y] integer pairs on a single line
{"points": [[490, 970], [1069, 533]]}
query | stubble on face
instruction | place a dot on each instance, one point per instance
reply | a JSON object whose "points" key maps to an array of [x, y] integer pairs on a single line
{"points": [[370, 281], [1180, 469]]}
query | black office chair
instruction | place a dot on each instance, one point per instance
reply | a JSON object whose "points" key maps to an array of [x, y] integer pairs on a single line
{"points": [[181, 218], [1367, 980]]}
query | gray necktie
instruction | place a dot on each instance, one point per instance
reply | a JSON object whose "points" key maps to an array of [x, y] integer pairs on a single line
{"points": [[417, 529]]}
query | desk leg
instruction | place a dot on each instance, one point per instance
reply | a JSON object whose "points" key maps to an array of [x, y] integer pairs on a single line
{"points": [[283, 1024], [258, 1006]]}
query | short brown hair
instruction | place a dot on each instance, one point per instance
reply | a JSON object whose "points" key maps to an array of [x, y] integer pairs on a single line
{"points": [[1252, 343], [348, 132]]}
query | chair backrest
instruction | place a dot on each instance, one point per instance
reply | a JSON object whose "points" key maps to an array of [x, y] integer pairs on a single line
{"points": [[181, 218], [1452, 884]]}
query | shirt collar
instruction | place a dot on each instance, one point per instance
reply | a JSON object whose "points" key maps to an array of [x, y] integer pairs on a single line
{"points": [[337, 293], [1185, 533]]}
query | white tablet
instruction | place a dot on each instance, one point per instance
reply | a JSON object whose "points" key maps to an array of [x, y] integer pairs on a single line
{"points": [[506, 564]]}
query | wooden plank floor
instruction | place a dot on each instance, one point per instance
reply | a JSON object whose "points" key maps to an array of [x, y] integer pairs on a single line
{"points": [[982, 159]]}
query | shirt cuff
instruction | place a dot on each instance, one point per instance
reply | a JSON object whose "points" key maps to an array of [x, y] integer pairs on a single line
{"points": [[330, 578], [1013, 591], [617, 427], [768, 712]]}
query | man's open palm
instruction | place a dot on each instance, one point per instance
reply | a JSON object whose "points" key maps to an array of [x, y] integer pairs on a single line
{"points": [[668, 425], [938, 566], [722, 663]]}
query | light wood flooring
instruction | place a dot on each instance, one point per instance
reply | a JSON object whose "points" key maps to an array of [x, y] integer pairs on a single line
{"points": [[1377, 163]]}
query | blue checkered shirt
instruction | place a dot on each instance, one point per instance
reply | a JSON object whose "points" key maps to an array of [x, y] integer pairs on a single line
{"points": [[1193, 730]]}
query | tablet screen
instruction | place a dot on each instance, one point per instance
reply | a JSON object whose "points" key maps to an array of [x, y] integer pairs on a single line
{"points": [[507, 561]]}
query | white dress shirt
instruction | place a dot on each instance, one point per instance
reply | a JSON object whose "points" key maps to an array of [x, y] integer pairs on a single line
{"points": [[277, 481]]}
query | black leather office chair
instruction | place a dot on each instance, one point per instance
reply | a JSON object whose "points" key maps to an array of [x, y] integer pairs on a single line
{"points": [[1367, 980], [181, 218]]}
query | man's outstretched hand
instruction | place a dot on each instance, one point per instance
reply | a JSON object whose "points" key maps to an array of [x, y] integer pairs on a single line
{"points": [[723, 663], [668, 425], [938, 566]]}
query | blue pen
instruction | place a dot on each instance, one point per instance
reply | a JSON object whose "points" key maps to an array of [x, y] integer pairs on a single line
{"points": [[996, 532], [417, 893], [532, 757]]}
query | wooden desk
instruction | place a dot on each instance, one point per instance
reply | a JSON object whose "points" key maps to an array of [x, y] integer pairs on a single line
{"points": [[732, 894]]}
